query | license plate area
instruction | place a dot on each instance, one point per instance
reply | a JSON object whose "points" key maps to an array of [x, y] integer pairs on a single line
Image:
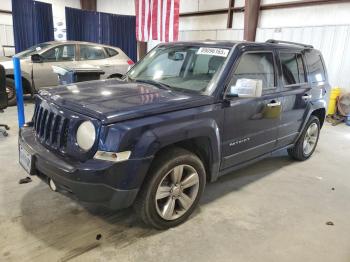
{"points": [[25, 159]]}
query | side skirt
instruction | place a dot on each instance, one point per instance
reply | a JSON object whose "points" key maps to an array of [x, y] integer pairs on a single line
{"points": [[249, 162]]}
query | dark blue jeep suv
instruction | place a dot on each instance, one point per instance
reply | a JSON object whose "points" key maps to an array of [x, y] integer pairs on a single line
{"points": [[184, 115]]}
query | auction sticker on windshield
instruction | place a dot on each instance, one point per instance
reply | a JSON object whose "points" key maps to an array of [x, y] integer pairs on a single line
{"points": [[213, 51]]}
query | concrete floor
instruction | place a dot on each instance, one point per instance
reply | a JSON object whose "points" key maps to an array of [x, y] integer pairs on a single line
{"points": [[275, 210]]}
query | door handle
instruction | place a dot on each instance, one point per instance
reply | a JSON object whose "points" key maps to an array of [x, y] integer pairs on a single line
{"points": [[273, 104], [107, 65], [306, 97]]}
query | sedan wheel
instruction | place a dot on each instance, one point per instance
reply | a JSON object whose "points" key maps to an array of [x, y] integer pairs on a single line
{"points": [[177, 192], [10, 93]]}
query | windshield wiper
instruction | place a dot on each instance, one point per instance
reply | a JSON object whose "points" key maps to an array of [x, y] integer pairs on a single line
{"points": [[152, 82]]}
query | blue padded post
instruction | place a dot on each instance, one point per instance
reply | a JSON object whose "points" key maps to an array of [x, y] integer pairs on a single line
{"points": [[19, 90]]}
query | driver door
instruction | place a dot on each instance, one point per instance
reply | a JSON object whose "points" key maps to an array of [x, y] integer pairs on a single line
{"points": [[251, 124], [61, 55]]}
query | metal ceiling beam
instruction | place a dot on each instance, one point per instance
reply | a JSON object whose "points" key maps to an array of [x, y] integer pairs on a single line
{"points": [[265, 7], [301, 4], [90, 5], [5, 12]]}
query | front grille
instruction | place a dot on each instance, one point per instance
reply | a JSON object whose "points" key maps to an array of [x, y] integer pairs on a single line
{"points": [[50, 128]]}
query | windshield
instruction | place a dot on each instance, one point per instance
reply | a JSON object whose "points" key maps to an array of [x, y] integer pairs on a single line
{"points": [[184, 68], [32, 50]]}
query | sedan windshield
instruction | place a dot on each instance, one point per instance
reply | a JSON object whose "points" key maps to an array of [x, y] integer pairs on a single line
{"points": [[32, 50], [183, 68]]}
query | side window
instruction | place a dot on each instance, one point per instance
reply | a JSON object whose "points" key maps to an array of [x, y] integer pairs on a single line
{"points": [[293, 71], [315, 67], [258, 66], [90, 52], [60, 53], [111, 52]]}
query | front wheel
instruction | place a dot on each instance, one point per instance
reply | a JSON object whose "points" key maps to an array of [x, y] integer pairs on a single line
{"points": [[172, 190], [307, 142]]}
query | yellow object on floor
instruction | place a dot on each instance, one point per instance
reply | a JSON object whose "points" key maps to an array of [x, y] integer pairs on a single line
{"points": [[332, 105]]}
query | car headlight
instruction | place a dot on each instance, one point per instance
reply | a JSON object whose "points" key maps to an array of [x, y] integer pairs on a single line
{"points": [[86, 135]]}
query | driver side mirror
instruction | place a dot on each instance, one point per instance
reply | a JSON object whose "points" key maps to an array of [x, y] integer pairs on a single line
{"points": [[36, 58], [247, 88]]}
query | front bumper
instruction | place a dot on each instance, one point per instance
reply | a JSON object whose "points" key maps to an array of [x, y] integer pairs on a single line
{"points": [[114, 185]]}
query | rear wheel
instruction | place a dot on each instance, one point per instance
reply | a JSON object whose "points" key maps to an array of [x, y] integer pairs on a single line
{"points": [[172, 190], [307, 142], [11, 92]]}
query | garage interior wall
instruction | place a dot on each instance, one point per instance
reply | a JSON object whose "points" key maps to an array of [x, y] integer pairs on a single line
{"points": [[326, 27], [6, 25]]}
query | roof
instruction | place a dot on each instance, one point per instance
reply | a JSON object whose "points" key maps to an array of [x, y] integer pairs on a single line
{"points": [[77, 42], [276, 44]]}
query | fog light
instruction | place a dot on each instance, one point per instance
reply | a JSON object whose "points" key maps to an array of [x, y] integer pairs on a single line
{"points": [[112, 156]]}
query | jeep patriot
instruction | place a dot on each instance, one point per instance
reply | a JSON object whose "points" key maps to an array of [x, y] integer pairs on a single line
{"points": [[184, 115]]}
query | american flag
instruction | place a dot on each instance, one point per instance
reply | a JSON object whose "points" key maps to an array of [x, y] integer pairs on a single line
{"points": [[157, 20]]}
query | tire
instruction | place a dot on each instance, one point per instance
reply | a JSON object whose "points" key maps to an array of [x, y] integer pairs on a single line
{"points": [[161, 175], [298, 151], [11, 92]]}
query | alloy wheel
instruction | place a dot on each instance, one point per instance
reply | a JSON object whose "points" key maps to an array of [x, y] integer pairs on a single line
{"points": [[176, 192], [10, 93], [310, 139]]}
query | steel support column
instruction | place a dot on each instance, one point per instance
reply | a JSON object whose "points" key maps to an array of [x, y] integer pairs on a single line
{"points": [[251, 17]]}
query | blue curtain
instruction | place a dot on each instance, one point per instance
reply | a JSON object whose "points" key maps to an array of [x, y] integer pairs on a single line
{"points": [[32, 23], [43, 22], [22, 16], [82, 25], [103, 28], [119, 30]]}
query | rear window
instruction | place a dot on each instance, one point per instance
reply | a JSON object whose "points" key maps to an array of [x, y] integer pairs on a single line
{"points": [[315, 67], [293, 71]]}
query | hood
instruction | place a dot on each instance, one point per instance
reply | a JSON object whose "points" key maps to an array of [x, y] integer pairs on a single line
{"points": [[5, 58], [6, 62], [114, 100]]}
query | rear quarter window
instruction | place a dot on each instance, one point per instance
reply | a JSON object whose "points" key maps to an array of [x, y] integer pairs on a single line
{"points": [[315, 67], [111, 52]]}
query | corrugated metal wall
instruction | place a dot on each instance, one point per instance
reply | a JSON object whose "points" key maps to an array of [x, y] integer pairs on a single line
{"points": [[332, 40]]}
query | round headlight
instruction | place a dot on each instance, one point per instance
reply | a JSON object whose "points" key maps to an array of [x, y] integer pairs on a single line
{"points": [[86, 135]]}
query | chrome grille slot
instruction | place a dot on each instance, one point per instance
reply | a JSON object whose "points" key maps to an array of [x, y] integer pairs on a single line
{"points": [[55, 130], [51, 128]]}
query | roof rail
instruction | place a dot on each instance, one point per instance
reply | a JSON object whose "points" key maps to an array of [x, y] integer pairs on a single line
{"points": [[273, 41]]}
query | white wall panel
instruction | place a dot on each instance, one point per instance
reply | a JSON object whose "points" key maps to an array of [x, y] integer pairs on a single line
{"points": [[5, 5], [203, 22], [210, 4], [188, 6], [230, 34], [200, 5], [306, 16], [121, 7], [333, 41]]}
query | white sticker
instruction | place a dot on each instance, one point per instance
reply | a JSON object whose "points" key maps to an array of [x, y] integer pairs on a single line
{"points": [[213, 51]]}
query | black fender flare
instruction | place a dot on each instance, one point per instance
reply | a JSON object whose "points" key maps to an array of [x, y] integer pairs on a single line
{"points": [[158, 138], [313, 105]]}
